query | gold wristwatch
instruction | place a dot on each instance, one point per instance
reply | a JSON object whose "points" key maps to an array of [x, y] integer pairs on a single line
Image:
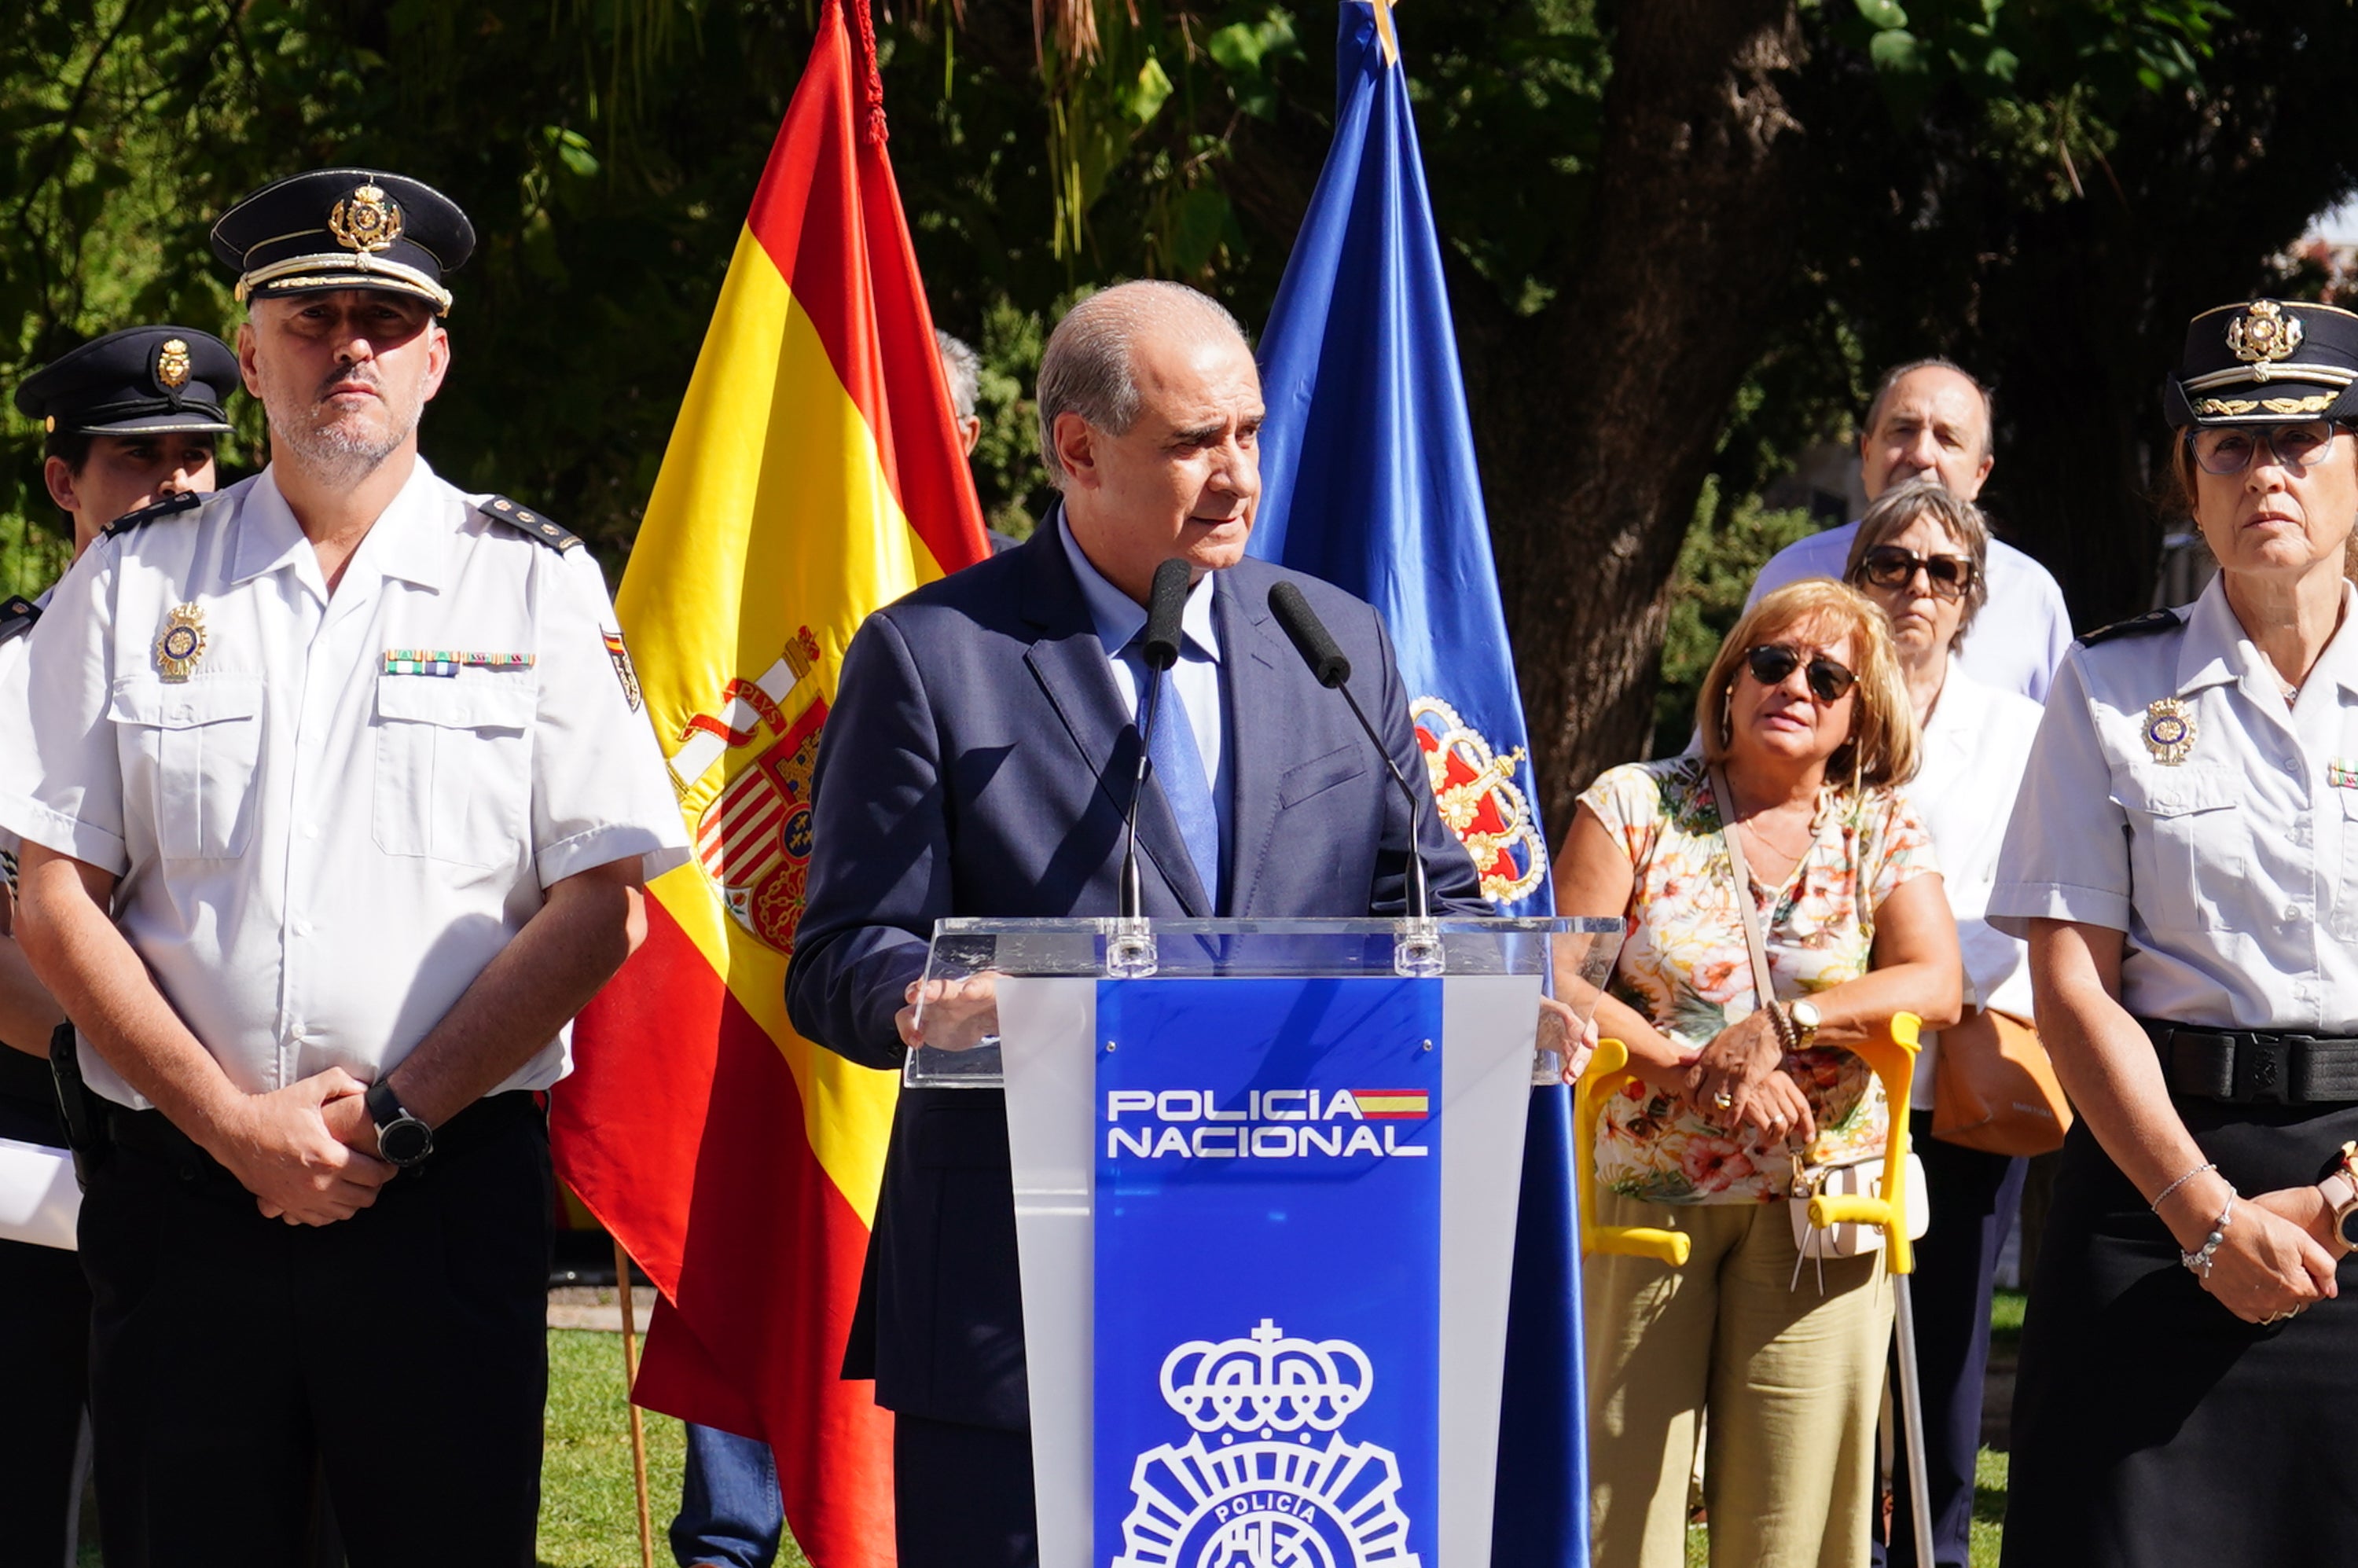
{"points": [[2340, 1187]]}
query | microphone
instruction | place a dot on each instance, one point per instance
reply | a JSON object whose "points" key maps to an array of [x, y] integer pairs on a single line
{"points": [[1167, 602], [1331, 668]]}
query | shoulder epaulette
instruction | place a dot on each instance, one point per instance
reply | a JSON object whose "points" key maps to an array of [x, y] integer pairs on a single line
{"points": [[179, 500], [16, 617], [528, 523], [2145, 625]]}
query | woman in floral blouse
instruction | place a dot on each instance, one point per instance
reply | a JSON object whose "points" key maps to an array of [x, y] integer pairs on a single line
{"points": [[1806, 713]]}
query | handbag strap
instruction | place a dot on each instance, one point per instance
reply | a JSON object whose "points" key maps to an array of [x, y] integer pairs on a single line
{"points": [[1764, 990]]}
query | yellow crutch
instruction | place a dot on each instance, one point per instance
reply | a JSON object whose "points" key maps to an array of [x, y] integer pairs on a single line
{"points": [[1891, 1056]]}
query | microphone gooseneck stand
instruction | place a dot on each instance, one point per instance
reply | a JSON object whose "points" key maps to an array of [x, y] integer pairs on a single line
{"points": [[1419, 949], [1130, 952]]}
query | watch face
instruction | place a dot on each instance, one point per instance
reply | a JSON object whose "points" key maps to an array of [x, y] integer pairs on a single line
{"points": [[406, 1141], [2347, 1223]]}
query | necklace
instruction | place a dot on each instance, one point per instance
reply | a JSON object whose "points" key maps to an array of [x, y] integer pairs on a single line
{"points": [[1752, 826]]}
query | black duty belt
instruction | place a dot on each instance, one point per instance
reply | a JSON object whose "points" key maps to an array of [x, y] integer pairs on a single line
{"points": [[2245, 1067], [151, 1133]]}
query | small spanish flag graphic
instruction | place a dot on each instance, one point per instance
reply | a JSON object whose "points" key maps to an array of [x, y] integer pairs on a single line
{"points": [[1391, 1105]]}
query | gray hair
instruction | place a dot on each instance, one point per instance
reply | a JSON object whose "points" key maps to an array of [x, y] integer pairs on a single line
{"points": [[1896, 374], [1087, 369], [962, 368], [1897, 510]]}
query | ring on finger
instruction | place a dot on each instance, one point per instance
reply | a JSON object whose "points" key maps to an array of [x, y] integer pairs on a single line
{"points": [[1723, 1100]]}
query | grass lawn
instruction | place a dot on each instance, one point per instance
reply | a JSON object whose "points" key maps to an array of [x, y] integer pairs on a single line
{"points": [[589, 1517]]}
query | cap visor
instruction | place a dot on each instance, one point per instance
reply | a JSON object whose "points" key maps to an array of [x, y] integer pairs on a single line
{"points": [[335, 282], [162, 423]]}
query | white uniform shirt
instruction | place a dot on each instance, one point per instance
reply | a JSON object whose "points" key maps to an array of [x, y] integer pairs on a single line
{"points": [[1975, 746], [2018, 639], [12, 676], [2234, 872], [320, 844]]}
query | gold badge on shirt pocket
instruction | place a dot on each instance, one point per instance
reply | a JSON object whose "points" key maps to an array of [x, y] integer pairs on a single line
{"points": [[182, 643], [2168, 731]]}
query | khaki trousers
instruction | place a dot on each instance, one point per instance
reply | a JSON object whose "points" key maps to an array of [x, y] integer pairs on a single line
{"points": [[1792, 1379]]}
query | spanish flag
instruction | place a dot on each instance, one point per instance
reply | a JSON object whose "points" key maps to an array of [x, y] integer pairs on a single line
{"points": [[813, 476]]}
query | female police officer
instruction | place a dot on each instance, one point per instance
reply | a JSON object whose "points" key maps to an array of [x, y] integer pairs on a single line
{"points": [[2184, 860]]}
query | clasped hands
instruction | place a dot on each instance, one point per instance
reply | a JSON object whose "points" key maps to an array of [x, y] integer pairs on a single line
{"points": [[306, 1152], [2277, 1258], [1737, 1082]]}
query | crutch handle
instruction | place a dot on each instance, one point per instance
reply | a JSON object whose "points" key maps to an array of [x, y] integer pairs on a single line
{"points": [[1607, 1074], [1849, 1209]]}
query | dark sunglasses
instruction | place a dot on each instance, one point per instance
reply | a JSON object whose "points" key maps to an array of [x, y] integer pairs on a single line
{"points": [[1888, 565], [1770, 663]]}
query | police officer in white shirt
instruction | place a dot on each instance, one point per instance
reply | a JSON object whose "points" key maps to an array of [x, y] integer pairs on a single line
{"points": [[2184, 859], [1930, 419], [337, 810], [126, 419]]}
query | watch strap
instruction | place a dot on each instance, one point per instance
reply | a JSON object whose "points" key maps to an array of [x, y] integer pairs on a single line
{"points": [[384, 1106]]}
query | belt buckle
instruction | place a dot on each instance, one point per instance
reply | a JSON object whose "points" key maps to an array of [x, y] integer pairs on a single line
{"points": [[2264, 1070]]}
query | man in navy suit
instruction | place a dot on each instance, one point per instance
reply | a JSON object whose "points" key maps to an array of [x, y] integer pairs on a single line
{"points": [[978, 763]]}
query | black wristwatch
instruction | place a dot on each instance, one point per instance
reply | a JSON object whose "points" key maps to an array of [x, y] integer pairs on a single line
{"points": [[401, 1138]]}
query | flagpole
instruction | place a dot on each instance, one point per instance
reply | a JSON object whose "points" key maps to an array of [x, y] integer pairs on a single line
{"points": [[638, 1425]]}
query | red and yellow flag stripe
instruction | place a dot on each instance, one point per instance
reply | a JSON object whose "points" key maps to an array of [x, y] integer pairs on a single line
{"points": [[814, 475]]}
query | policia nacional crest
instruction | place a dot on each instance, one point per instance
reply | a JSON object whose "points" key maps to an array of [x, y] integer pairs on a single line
{"points": [[182, 643], [2168, 731]]}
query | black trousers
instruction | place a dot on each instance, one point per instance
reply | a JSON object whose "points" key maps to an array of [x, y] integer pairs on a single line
{"points": [[961, 1496], [2152, 1427], [44, 1355], [1973, 1198], [402, 1353]]}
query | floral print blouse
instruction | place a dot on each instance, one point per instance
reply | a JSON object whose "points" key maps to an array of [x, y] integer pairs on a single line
{"points": [[1684, 967]]}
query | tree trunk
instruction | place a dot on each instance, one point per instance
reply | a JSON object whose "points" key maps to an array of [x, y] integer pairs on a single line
{"points": [[1599, 421]]}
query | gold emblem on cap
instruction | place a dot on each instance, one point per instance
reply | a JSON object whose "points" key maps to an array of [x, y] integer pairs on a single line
{"points": [[182, 643], [172, 363], [2168, 731], [368, 220], [2264, 334]]}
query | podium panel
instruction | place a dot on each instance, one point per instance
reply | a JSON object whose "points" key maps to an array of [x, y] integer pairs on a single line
{"points": [[1265, 1215]]}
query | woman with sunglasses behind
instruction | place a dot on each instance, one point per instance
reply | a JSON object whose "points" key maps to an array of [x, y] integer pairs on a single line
{"points": [[1920, 556], [1807, 731], [2184, 860]]}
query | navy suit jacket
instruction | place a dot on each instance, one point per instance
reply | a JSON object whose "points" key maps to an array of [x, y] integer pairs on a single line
{"points": [[978, 763]]}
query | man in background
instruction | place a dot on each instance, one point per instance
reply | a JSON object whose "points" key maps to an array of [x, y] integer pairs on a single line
{"points": [[1932, 420]]}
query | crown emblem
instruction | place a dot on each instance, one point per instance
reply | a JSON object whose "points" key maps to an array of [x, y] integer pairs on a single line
{"points": [[2264, 334], [366, 221], [1266, 1382], [1480, 800], [172, 363], [1268, 1492]]}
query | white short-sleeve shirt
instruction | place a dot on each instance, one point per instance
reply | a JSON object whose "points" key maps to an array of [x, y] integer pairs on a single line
{"points": [[2233, 870], [2016, 642], [1975, 746], [330, 819], [12, 660]]}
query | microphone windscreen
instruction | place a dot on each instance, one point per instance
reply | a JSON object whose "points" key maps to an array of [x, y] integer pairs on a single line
{"points": [[1309, 635], [1167, 602]]}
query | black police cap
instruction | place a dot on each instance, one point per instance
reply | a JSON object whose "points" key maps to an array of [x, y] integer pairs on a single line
{"points": [[344, 228], [2265, 361], [141, 381]]}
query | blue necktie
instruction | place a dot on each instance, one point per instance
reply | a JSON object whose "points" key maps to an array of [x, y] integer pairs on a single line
{"points": [[1179, 771]]}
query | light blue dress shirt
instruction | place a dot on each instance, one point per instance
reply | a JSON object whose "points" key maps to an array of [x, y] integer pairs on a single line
{"points": [[1196, 679]]}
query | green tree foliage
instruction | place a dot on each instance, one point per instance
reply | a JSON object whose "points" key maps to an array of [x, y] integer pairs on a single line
{"points": [[2042, 187]]}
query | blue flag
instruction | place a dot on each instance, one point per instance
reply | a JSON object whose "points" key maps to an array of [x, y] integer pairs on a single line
{"points": [[1369, 482]]}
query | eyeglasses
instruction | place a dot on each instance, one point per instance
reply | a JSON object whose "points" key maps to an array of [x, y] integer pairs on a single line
{"points": [[1888, 565], [2231, 448], [1770, 663]]}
